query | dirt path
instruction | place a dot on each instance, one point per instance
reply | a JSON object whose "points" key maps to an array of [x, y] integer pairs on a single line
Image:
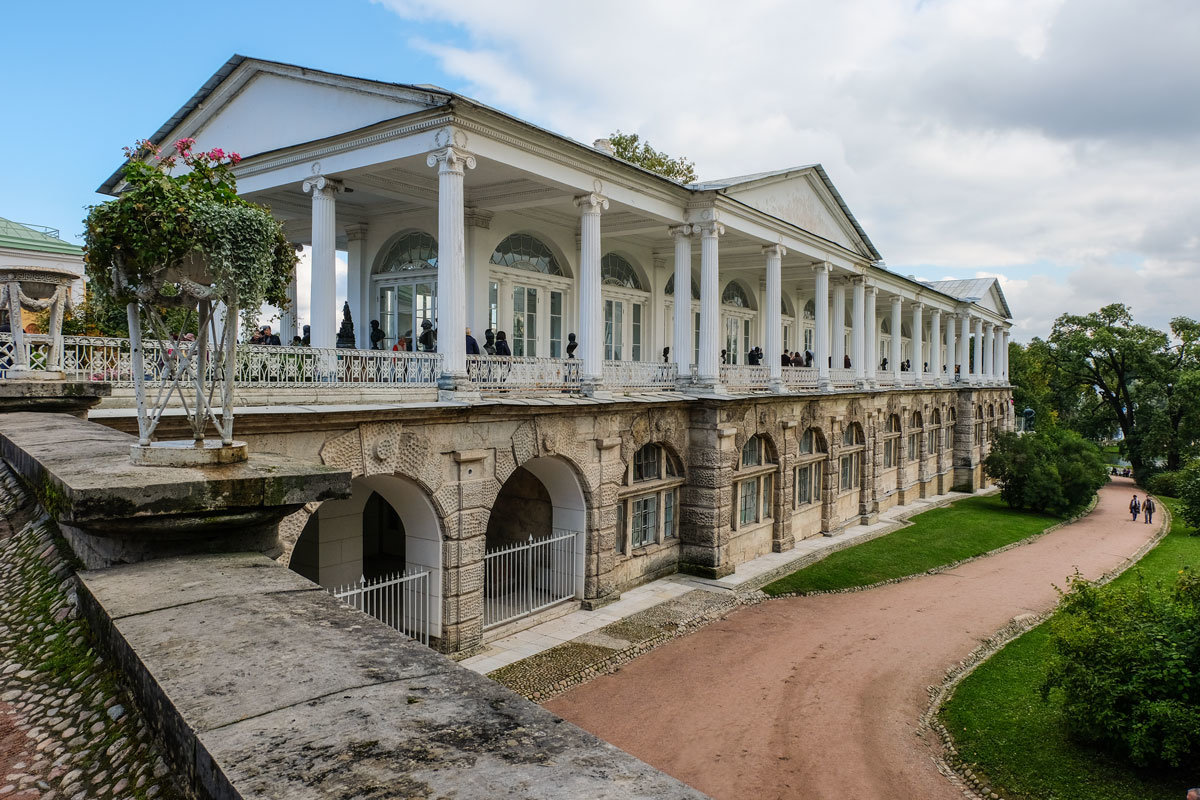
{"points": [[819, 697]]}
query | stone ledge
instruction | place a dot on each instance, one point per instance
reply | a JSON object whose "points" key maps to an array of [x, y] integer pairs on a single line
{"points": [[265, 686]]}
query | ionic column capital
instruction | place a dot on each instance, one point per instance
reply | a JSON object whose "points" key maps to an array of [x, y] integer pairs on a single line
{"points": [[321, 185], [591, 203], [709, 229], [451, 159], [897, 300], [680, 231], [777, 250], [822, 266]]}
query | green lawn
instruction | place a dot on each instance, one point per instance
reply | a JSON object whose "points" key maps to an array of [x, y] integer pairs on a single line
{"points": [[937, 537], [1002, 726]]}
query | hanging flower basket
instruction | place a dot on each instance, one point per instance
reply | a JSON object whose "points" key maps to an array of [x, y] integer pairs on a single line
{"points": [[183, 252]]}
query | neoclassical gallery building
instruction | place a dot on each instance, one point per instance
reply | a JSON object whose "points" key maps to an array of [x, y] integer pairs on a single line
{"points": [[526, 483]]}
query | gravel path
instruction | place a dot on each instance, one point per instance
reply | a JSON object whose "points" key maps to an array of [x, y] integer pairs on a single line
{"points": [[819, 697]]}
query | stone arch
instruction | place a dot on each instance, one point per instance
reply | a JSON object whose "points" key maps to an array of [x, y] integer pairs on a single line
{"points": [[386, 249], [343, 522], [547, 239]]}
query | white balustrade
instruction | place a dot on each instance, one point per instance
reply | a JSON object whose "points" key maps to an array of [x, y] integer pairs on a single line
{"points": [[801, 378], [745, 377], [621, 376], [524, 375], [842, 378]]}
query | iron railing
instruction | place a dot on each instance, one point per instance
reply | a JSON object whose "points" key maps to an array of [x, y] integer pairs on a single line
{"points": [[400, 601], [621, 376], [525, 374], [525, 577]]}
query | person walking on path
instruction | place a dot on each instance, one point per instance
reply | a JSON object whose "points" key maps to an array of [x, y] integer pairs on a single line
{"points": [[1134, 507], [1147, 510]]}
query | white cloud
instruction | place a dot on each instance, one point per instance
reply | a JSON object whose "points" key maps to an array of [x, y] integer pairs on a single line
{"points": [[968, 136]]}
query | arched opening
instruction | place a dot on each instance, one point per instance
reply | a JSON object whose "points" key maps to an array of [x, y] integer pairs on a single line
{"points": [[625, 300], [404, 290], [737, 316], [535, 314], [386, 530], [535, 541]]}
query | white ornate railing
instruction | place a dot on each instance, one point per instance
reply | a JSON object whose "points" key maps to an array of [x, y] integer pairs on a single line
{"points": [[522, 374], [842, 378], [401, 601], [743, 376], [646, 375], [800, 377], [101, 358]]}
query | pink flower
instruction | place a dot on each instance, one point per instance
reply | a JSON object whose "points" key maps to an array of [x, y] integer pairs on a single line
{"points": [[234, 158], [184, 146], [216, 154]]}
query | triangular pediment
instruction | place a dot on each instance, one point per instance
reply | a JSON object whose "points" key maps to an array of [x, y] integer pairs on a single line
{"points": [[804, 197]]}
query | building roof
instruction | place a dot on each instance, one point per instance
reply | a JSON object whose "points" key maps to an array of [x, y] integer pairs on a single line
{"points": [[972, 289], [19, 237]]}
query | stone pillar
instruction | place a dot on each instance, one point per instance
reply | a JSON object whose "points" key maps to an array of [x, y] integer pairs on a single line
{"points": [[822, 325], [897, 303], [774, 344], [839, 324], [871, 355], [707, 497], [977, 368], [452, 164], [709, 368], [989, 352], [964, 342], [358, 283], [858, 356], [591, 318], [918, 328], [951, 359], [323, 311], [683, 300], [935, 346], [288, 325], [1004, 355]]}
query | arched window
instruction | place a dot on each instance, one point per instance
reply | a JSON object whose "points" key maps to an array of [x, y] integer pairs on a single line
{"points": [[671, 288], [522, 251], [412, 251], [891, 442], [809, 477], [651, 501], [934, 445], [810, 310], [735, 295], [754, 492], [851, 461], [978, 425], [616, 271]]}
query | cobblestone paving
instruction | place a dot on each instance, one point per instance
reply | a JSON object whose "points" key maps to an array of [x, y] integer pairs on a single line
{"points": [[545, 674], [68, 730]]}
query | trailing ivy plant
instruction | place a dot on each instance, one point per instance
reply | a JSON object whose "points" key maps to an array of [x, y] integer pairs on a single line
{"points": [[163, 219]]}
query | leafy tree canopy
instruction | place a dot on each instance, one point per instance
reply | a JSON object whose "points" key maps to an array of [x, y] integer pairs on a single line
{"points": [[630, 147], [1054, 470]]}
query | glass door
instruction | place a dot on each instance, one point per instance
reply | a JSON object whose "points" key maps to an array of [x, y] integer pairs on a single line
{"points": [[556, 324], [524, 329], [614, 329]]}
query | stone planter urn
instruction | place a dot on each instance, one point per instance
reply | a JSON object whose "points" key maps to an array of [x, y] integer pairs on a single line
{"points": [[36, 288]]}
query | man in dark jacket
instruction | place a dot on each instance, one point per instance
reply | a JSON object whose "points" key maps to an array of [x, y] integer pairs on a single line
{"points": [[472, 345]]}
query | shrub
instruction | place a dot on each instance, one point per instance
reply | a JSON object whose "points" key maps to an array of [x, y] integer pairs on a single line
{"points": [[1126, 664], [1189, 496], [1055, 470], [1164, 483]]}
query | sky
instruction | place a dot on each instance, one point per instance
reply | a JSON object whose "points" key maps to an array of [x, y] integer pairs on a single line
{"points": [[1050, 143]]}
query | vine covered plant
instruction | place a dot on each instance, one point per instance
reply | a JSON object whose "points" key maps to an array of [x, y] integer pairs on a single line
{"points": [[135, 244]]}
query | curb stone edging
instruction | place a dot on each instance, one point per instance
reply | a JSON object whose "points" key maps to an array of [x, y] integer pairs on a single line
{"points": [[1089, 508], [948, 762]]}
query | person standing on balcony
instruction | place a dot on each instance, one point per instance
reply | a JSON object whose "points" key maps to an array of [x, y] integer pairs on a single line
{"points": [[427, 341], [846, 361], [883, 365], [502, 344], [376, 335], [787, 360], [472, 345], [489, 342]]}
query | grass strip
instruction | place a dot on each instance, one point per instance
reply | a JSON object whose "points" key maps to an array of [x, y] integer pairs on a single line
{"points": [[940, 536], [1003, 728]]}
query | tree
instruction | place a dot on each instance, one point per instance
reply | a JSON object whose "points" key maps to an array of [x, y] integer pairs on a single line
{"points": [[1170, 416], [1109, 357], [1188, 486], [630, 147], [1030, 368], [1054, 470]]}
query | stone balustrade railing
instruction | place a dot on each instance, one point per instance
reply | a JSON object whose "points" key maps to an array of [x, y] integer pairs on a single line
{"points": [[743, 377], [800, 378], [524, 375], [842, 378]]}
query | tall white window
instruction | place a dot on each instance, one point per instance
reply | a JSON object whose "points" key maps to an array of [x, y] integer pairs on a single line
{"points": [[625, 298], [810, 471], [405, 291], [851, 460], [540, 295], [652, 484], [754, 486]]}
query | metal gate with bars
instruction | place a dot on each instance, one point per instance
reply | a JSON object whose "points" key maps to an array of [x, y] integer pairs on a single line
{"points": [[400, 601], [523, 578]]}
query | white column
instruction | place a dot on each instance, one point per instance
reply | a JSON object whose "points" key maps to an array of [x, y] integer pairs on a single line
{"points": [[709, 368], [918, 327], [858, 356], [591, 318], [950, 354], [357, 283], [682, 347], [996, 337], [977, 370], [288, 327], [871, 354], [839, 324], [989, 351], [935, 345], [452, 165], [323, 311], [821, 301], [897, 301], [1004, 355], [964, 343], [774, 344]]}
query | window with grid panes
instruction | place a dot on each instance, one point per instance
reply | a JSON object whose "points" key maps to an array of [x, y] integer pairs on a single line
{"points": [[851, 462], [621, 526], [670, 501], [810, 471], [644, 529], [655, 471], [755, 493]]}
